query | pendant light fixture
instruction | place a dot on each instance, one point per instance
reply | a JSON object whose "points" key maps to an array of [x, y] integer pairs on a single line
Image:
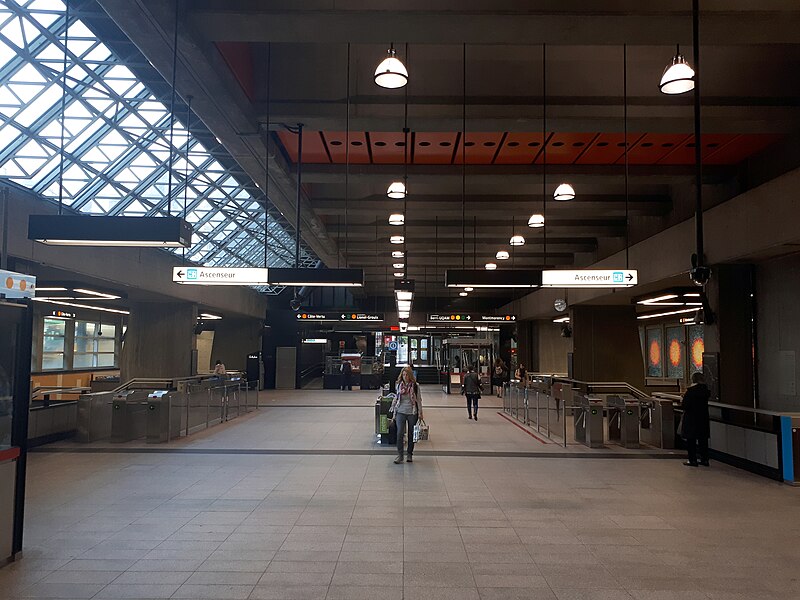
{"points": [[564, 192], [391, 73], [396, 190], [517, 240], [397, 239], [678, 76], [463, 294], [398, 265], [490, 266], [502, 255], [536, 221], [397, 219], [398, 254], [120, 231]]}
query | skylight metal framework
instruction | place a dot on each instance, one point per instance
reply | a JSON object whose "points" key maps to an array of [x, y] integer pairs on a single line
{"points": [[116, 140]]}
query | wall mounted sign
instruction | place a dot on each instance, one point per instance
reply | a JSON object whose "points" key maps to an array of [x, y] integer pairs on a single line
{"points": [[587, 278], [470, 318], [17, 285], [220, 275], [339, 315], [62, 315]]}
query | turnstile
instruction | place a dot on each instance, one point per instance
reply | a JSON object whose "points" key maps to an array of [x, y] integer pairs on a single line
{"points": [[128, 414], [163, 418], [657, 422], [588, 419], [623, 420]]}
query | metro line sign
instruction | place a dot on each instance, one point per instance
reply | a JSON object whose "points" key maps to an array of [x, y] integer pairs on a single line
{"points": [[612, 278]]}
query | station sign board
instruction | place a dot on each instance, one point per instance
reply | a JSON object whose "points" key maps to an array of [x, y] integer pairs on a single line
{"points": [[470, 318], [60, 314], [339, 315], [17, 285], [587, 278], [220, 275]]}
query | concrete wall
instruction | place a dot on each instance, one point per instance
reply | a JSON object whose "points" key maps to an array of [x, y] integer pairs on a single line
{"points": [[552, 348], [234, 339], [778, 326], [205, 344], [159, 341]]}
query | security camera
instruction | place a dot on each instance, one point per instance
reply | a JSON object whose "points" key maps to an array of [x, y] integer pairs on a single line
{"points": [[566, 331], [294, 304], [700, 275]]}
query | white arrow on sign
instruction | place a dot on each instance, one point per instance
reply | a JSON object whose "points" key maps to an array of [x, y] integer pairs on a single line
{"points": [[611, 278]]}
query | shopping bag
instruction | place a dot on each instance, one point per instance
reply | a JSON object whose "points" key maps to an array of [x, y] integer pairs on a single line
{"points": [[421, 431]]}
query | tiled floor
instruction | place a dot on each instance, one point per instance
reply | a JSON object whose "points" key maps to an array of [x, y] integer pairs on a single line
{"points": [[350, 527]]}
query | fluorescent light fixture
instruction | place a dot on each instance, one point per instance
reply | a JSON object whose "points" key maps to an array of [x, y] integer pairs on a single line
{"points": [[536, 221], [490, 266], [678, 77], [87, 230], [397, 219], [564, 192], [51, 289], [685, 295], [694, 304], [561, 320], [397, 254], [481, 278], [658, 299], [317, 277], [86, 306], [404, 304], [398, 265], [396, 190], [517, 240], [209, 317], [463, 294], [502, 255], [315, 341], [403, 314], [398, 274], [397, 239], [98, 294], [404, 295], [391, 73], [667, 314]]}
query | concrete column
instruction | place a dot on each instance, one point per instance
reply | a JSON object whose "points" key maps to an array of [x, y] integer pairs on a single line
{"points": [[283, 330], [550, 348], [730, 293], [605, 344], [234, 339], [159, 341]]}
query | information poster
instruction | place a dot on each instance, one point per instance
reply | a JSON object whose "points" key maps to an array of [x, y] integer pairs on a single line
{"points": [[655, 352], [696, 348], [676, 352]]}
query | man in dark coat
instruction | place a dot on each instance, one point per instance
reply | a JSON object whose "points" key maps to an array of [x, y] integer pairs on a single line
{"points": [[347, 372], [472, 390], [695, 425]]}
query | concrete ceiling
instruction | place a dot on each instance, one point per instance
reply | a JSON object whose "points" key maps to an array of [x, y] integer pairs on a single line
{"points": [[227, 48]]}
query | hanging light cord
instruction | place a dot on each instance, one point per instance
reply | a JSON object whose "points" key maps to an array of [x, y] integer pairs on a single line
{"points": [[405, 174], [347, 157], [63, 111], [266, 156], [172, 107], [625, 129], [464, 157], [544, 151]]}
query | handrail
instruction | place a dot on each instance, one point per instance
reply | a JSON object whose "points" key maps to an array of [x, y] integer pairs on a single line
{"points": [[747, 409], [44, 390], [607, 384]]}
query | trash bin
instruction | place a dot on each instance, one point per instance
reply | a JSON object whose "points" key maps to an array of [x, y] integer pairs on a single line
{"points": [[163, 419], [382, 418], [623, 420], [127, 417]]}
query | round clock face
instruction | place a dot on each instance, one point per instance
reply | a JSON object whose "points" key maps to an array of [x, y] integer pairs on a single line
{"points": [[560, 304]]}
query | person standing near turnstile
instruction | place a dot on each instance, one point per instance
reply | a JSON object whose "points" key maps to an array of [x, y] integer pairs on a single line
{"points": [[695, 426], [347, 374], [471, 388]]}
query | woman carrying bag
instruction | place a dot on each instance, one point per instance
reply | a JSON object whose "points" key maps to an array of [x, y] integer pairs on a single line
{"points": [[406, 408]]}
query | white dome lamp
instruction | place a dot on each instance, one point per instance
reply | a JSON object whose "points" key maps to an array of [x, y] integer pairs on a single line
{"points": [[678, 77], [490, 266], [502, 255], [563, 193], [397, 190], [391, 73], [536, 220], [517, 240], [397, 219]]}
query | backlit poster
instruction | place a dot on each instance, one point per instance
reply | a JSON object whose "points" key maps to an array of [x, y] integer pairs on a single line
{"points": [[654, 352], [696, 348], [676, 352]]}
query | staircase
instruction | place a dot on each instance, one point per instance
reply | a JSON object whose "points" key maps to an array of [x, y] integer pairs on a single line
{"points": [[427, 375]]}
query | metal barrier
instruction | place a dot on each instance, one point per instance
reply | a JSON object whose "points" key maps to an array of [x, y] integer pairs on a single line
{"points": [[623, 420]]}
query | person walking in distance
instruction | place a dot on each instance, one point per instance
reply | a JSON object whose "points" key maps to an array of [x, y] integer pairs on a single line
{"points": [[472, 390], [406, 408], [347, 373], [498, 376], [695, 426]]}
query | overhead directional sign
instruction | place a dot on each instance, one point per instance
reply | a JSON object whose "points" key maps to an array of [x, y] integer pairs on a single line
{"points": [[17, 285], [470, 318], [612, 278], [339, 315], [220, 275]]}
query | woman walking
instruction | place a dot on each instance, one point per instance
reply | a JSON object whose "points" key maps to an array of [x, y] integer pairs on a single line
{"points": [[498, 377], [407, 408]]}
